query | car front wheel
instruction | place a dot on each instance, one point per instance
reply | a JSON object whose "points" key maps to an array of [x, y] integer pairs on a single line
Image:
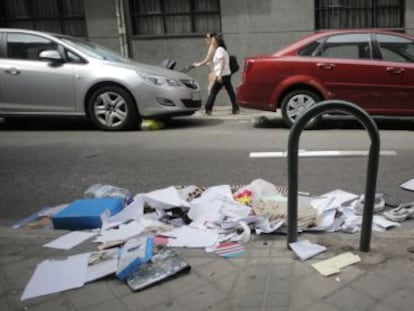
{"points": [[294, 105], [112, 108]]}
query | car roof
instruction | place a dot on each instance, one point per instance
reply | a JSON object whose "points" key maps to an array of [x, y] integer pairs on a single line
{"points": [[34, 32], [324, 33], [24, 30]]}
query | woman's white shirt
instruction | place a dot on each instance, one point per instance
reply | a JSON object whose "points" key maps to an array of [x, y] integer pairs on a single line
{"points": [[218, 56]]}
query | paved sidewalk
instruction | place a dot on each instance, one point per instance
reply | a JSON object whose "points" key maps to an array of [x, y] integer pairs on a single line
{"points": [[223, 112], [266, 277]]}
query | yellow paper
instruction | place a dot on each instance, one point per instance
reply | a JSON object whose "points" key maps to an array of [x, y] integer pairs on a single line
{"points": [[333, 265]]}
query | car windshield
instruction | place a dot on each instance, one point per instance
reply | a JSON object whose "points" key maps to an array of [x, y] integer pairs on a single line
{"points": [[94, 50]]}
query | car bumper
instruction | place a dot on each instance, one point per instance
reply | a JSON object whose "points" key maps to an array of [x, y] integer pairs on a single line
{"points": [[168, 102]]}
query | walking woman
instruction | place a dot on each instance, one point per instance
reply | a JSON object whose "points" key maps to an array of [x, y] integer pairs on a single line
{"points": [[221, 69], [207, 59]]}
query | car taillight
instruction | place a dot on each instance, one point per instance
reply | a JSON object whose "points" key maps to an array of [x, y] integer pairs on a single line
{"points": [[248, 64]]}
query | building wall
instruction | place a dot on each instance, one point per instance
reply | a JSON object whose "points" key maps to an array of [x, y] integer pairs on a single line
{"points": [[101, 22], [409, 17], [249, 28]]}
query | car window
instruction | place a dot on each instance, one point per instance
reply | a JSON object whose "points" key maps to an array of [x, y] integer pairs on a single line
{"points": [[93, 50], [310, 49], [396, 48], [73, 58], [348, 46], [27, 46]]}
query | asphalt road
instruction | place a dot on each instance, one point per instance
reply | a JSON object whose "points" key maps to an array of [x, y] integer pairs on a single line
{"points": [[45, 162]]}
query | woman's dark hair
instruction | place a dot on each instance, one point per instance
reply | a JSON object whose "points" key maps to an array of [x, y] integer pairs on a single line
{"points": [[210, 35], [219, 40]]}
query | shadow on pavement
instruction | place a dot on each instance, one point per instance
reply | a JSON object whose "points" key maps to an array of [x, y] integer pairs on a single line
{"points": [[83, 124], [47, 124], [180, 123], [346, 123]]}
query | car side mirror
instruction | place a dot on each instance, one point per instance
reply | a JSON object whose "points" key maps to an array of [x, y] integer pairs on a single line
{"points": [[51, 56]]}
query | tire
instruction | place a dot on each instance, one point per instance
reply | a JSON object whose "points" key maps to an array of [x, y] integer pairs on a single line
{"points": [[295, 103], [111, 108]]}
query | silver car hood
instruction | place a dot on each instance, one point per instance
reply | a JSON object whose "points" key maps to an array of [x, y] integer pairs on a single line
{"points": [[149, 69]]}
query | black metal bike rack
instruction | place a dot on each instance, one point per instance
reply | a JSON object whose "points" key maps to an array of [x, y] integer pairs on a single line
{"points": [[372, 171]]}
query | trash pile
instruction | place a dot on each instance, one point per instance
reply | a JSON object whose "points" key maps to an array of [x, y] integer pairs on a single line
{"points": [[135, 235]]}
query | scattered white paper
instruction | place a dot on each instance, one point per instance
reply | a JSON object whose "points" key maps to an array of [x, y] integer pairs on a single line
{"points": [[384, 223], [340, 197], [264, 226], [211, 194], [165, 198], [101, 264], [201, 211], [192, 237], [123, 232], [324, 221], [53, 276], [234, 210], [70, 240], [133, 211], [305, 249], [408, 185]]}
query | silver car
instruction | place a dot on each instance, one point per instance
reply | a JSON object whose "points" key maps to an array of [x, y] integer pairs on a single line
{"points": [[43, 74]]}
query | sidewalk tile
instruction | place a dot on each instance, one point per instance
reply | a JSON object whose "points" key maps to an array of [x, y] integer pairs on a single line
{"points": [[402, 300], [374, 286], [202, 298], [91, 294], [112, 305], [349, 299]]}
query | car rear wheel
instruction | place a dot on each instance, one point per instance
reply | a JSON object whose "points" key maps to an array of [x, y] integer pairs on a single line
{"points": [[112, 108], [294, 105]]}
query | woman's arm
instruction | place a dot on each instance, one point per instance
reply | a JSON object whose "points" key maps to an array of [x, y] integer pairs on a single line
{"points": [[221, 68], [208, 58]]}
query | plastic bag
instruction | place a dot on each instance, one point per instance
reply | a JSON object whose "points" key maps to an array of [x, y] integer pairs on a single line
{"points": [[104, 191]]}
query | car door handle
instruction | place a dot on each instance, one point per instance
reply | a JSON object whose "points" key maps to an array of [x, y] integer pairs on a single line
{"points": [[395, 70], [325, 66], [13, 71]]}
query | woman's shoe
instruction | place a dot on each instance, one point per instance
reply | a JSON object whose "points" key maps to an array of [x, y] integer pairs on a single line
{"points": [[207, 112], [236, 111]]}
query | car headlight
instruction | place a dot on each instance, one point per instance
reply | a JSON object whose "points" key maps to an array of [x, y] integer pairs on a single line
{"points": [[159, 81]]}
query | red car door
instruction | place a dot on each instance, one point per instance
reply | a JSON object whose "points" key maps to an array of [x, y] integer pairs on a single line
{"points": [[345, 67], [397, 72]]}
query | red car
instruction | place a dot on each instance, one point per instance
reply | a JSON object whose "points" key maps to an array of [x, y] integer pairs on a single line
{"points": [[371, 68]]}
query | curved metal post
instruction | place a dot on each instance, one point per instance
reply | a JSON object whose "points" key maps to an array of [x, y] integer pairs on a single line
{"points": [[372, 171]]}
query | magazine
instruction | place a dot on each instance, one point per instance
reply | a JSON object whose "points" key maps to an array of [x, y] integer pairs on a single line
{"points": [[164, 264]]}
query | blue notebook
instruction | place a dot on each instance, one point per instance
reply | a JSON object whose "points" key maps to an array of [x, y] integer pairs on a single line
{"points": [[86, 213]]}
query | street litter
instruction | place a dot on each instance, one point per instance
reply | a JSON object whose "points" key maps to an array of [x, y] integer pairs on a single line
{"points": [[134, 253], [305, 249], [136, 234], [335, 264], [40, 219], [152, 125], [101, 264], [358, 205], [402, 212], [98, 191], [70, 240], [229, 250], [53, 276], [86, 213], [408, 185], [163, 265]]}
